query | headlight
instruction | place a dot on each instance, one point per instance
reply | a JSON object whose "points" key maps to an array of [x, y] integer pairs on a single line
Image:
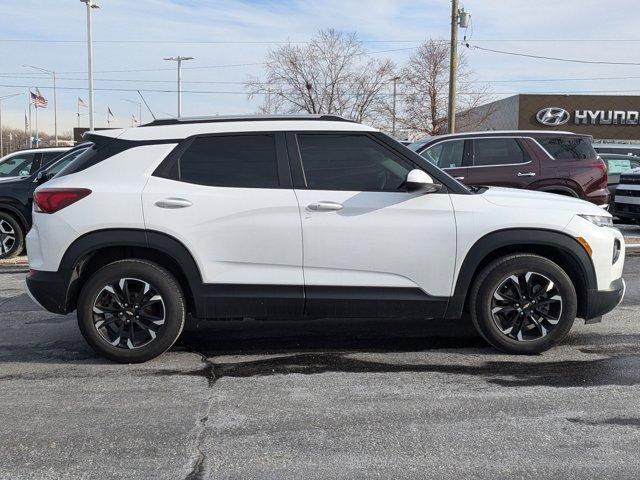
{"points": [[599, 220]]}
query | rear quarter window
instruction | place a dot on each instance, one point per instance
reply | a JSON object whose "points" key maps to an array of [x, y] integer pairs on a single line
{"points": [[568, 148]]}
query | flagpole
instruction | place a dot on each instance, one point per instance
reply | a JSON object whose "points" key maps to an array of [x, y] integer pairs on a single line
{"points": [[78, 102], [26, 128], [37, 137], [30, 145]]}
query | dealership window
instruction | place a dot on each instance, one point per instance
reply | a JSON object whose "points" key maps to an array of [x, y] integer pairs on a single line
{"points": [[567, 148], [445, 154], [497, 151]]}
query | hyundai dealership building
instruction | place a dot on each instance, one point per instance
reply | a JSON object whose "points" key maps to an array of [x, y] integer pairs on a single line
{"points": [[605, 117]]}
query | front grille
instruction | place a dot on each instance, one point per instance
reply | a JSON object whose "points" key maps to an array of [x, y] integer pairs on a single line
{"points": [[626, 208], [630, 179], [627, 193]]}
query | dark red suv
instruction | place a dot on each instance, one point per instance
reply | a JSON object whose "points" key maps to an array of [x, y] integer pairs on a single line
{"points": [[557, 162]]}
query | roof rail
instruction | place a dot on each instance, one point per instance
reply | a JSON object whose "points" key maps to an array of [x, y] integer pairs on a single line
{"points": [[244, 118]]}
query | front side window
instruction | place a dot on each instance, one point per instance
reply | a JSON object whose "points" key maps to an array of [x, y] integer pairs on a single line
{"points": [[497, 151], [445, 154], [350, 162], [568, 148], [17, 166], [247, 161]]}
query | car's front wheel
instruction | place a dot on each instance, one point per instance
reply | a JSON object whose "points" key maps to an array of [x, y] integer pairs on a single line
{"points": [[131, 311], [523, 303]]}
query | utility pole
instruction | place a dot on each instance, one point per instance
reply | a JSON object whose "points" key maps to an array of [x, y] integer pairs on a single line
{"points": [[55, 101], [90, 4], [179, 60], [459, 18], [393, 120], [1, 139]]}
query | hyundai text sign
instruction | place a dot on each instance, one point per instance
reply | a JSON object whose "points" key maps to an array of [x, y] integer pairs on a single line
{"points": [[555, 116]]}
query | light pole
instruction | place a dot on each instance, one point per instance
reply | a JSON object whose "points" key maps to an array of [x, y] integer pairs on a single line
{"points": [[55, 102], [459, 18], [395, 93], [2, 98], [90, 4], [139, 107], [179, 60]]}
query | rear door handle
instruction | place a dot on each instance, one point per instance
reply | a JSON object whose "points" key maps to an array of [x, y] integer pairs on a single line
{"points": [[526, 174], [173, 203], [324, 206]]}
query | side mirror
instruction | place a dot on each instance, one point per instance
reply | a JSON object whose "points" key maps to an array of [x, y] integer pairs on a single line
{"points": [[42, 177], [419, 181]]}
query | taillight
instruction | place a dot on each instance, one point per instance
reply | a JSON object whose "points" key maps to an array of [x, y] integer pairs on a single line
{"points": [[50, 200]]}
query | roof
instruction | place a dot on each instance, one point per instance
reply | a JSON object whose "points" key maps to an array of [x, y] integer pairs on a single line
{"points": [[185, 127]]}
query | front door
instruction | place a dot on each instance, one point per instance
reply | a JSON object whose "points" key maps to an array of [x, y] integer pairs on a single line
{"points": [[370, 247]]}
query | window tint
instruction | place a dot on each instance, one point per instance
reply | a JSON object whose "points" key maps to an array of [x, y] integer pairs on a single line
{"points": [[48, 156], [568, 148], [497, 151], [350, 162], [247, 161], [18, 165], [445, 154]]}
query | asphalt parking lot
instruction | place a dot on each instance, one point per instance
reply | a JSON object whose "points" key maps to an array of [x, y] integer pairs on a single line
{"points": [[322, 399]]}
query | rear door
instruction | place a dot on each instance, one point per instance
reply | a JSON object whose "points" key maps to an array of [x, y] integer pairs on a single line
{"points": [[228, 199], [450, 156], [501, 162]]}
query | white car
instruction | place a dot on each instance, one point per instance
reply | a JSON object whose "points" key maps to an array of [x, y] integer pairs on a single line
{"points": [[305, 217]]}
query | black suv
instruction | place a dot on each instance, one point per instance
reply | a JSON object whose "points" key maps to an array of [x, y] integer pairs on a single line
{"points": [[16, 199]]}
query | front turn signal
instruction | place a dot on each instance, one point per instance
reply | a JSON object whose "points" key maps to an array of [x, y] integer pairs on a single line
{"points": [[585, 245]]}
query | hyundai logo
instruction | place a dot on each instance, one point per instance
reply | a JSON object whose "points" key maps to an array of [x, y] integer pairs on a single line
{"points": [[553, 116]]}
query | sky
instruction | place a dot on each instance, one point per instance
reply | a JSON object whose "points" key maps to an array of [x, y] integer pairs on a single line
{"points": [[229, 40]]}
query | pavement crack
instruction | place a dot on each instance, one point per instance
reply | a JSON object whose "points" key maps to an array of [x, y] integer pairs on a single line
{"points": [[198, 460]]}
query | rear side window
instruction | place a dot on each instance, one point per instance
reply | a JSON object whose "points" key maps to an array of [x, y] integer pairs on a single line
{"points": [[568, 148], [247, 161], [445, 154], [498, 151], [48, 156]]}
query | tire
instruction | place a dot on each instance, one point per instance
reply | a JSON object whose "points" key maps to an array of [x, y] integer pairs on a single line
{"points": [[495, 304], [11, 236], [122, 331]]}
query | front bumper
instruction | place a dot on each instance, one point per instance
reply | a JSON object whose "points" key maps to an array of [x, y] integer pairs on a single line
{"points": [[48, 289], [600, 302]]}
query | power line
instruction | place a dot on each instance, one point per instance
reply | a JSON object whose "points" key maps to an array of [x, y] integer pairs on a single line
{"points": [[541, 57]]}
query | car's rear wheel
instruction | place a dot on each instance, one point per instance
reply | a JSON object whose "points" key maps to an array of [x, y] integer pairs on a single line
{"points": [[523, 303], [11, 236], [131, 311]]}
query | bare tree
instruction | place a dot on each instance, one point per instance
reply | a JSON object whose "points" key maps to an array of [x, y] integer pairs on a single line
{"points": [[329, 75], [425, 87]]}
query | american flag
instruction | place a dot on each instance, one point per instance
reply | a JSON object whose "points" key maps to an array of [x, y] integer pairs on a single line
{"points": [[38, 100], [81, 103]]}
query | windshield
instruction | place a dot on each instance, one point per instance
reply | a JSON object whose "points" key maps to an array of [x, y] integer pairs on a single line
{"points": [[65, 160]]}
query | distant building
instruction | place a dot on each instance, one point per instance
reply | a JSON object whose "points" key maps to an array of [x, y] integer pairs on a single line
{"points": [[605, 117]]}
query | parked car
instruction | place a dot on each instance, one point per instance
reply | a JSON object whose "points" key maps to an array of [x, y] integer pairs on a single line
{"points": [[304, 217], [616, 165], [25, 162], [626, 203], [16, 195], [618, 148], [555, 162]]}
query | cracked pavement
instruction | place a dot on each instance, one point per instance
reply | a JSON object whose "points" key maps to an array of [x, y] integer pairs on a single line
{"points": [[321, 399]]}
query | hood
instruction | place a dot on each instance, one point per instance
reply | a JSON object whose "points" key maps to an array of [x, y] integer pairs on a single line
{"points": [[526, 199]]}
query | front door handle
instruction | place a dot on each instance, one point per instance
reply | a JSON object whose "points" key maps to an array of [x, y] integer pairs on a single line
{"points": [[526, 174], [173, 203], [324, 206]]}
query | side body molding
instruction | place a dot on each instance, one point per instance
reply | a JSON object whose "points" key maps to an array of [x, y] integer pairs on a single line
{"points": [[572, 251]]}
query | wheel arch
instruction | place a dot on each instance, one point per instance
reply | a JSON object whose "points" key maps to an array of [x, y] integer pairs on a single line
{"points": [[94, 250], [560, 189], [558, 247], [17, 214]]}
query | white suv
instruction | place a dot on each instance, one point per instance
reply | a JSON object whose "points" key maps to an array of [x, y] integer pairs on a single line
{"points": [[304, 217]]}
